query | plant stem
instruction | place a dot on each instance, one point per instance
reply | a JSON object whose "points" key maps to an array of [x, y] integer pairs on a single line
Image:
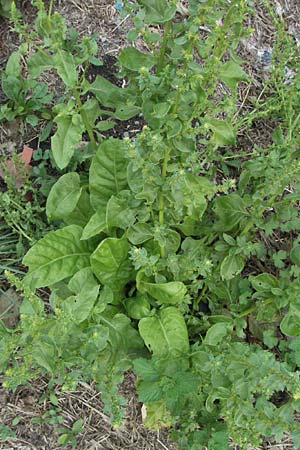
{"points": [[160, 62], [85, 120], [50, 8], [161, 201]]}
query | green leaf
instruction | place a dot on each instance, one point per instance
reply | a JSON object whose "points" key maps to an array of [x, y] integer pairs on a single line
{"points": [[264, 282], [166, 333], [231, 266], [118, 214], [126, 112], [108, 93], [110, 262], [39, 63], [165, 293], [83, 280], [43, 354], [158, 11], [13, 67], [63, 196], [66, 68], [80, 306], [217, 333], [137, 307], [108, 172], [133, 59], [58, 255], [68, 134], [231, 74], [82, 212], [230, 209], [295, 253], [223, 133], [95, 225], [139, 233], [290, 324]]}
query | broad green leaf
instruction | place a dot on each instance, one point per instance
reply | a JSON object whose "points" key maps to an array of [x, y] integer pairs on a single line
{"points": [[290, 324], [58, 255], [139, 233], [80, 306], [122, 335], [39, 63], [66, 68], [230, 209], [118, 213], [110, 262], [231, 266], [95, 225], [91, 110], [68, 134], [13, 67], [126, 112], [264, 282], [157, 416], [165, 334], [133, 59], [108, 93], [108, 172], [223, 133], [137, 307], [231, 74], [63, 196], [217, 333], [83, 280], [82, 212], [295, 254], [43, 354], [172, 292], [158, 11]]}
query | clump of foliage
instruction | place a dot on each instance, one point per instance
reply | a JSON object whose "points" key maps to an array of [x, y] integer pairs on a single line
{"points": [[161, 261], [5, 6]]}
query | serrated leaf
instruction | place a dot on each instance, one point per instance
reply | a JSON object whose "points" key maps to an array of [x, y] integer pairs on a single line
{"points": [[107, 172], [166, 333], [133, 59], [63, 142], [58, 255], [110, 262], [63, 196]]}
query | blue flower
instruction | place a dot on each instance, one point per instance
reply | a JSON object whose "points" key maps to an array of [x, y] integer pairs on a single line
{"points": [[118, 5]]}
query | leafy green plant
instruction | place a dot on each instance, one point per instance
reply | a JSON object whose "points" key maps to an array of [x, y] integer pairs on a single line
{"points": [[160, 262]]}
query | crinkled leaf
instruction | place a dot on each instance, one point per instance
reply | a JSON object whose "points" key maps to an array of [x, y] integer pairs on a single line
{"points": [[110, 262], [137, 307], [63, 196], [166, 333], [80, 306], [108, 172], [58, 255], [290, 324], [118, 213]]}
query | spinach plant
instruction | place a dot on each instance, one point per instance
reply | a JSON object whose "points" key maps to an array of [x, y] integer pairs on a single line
{"points": [[160, 261]]}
